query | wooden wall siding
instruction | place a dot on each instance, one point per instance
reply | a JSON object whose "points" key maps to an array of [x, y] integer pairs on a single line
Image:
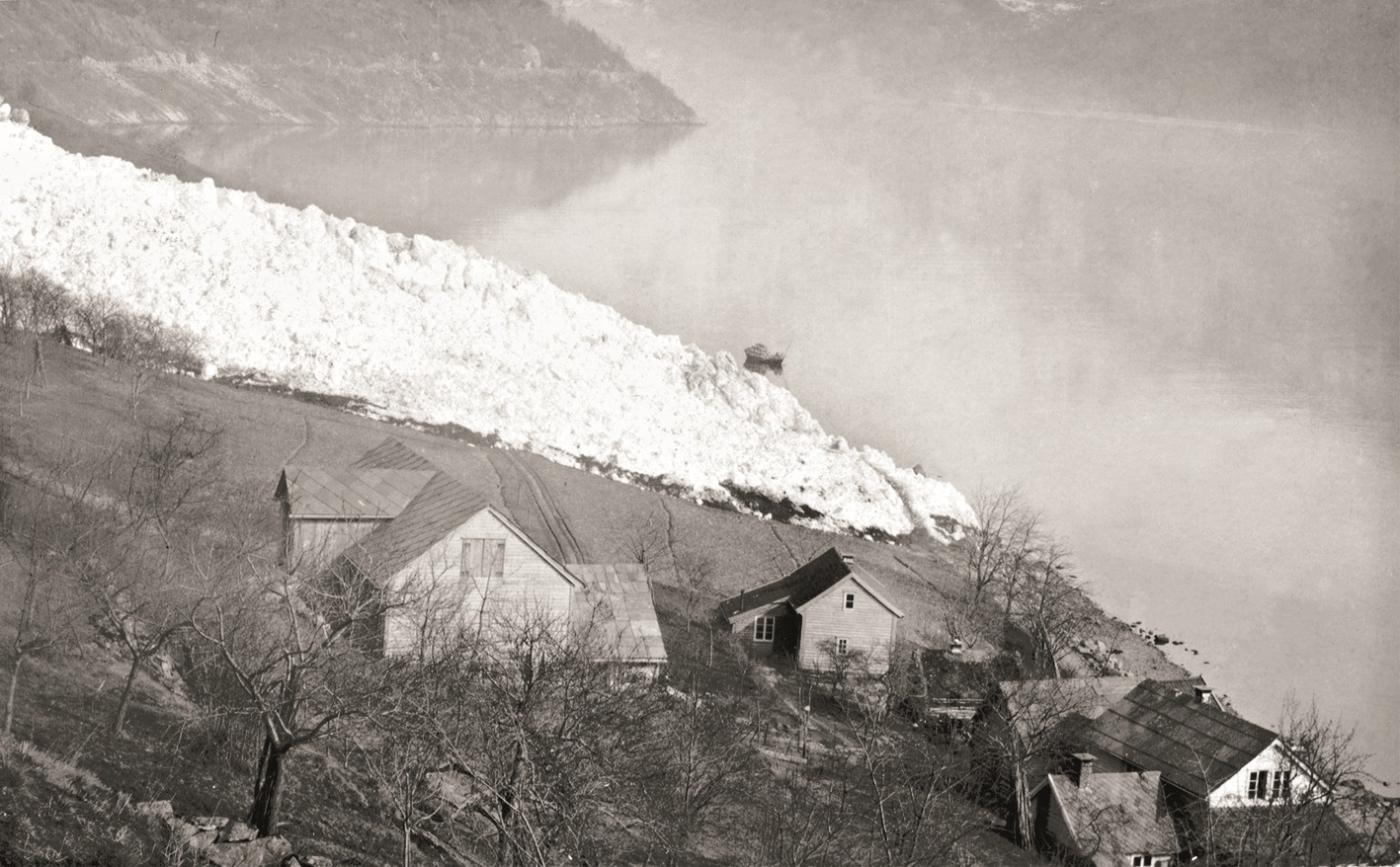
{"points": [[868, 627], [1234, 792], [313, 542], [787, 630], [529, 591]]}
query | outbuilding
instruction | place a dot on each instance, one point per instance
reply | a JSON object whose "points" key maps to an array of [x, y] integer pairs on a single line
{"points": [[826, 611]]}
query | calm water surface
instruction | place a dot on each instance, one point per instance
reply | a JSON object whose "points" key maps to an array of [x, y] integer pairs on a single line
{"points": [[1180, 335]]}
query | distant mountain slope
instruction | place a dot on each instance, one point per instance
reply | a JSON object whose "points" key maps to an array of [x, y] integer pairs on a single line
{"points": [[432, 331], [411, 62]]}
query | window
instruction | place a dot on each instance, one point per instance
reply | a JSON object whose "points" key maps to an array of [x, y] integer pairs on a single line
{"points": [[1142, 861], [1258, 785], [840, 647], [763, 629], [483, 558], [850, 600], [1283, 785]]}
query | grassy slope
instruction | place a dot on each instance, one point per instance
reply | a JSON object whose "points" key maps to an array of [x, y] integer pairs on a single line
{"points": [[64, 704], [86, 403], [416, 62]]}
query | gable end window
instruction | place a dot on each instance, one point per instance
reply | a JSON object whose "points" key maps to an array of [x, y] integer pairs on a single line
{"points": [[1283, 786], [763, 629], [850, 600], [483, 558], [1258, 785], [841, 646]]}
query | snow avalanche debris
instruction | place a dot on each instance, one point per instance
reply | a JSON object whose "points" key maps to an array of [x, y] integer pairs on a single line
{"points": [[433, 331]]}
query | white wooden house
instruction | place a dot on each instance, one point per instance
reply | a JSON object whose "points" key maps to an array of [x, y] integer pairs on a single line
{"points": [[450, 562], [826, 609]]}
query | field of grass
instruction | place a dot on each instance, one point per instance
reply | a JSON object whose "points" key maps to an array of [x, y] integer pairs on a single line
{"points": [[417, 63]]}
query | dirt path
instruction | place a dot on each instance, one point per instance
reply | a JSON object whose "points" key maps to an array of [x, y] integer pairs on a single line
{"points": [[537, 502]]}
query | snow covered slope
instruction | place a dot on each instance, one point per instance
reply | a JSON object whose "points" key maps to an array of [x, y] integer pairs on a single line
{"points": [[436, 332]]}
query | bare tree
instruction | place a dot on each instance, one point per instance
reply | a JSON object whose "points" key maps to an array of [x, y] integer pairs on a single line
{"points": [[697, 764], [1023, 731], [1049, 605], [289, 646]]}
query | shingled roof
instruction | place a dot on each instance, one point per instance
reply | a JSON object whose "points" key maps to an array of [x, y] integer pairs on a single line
{"points": [[442, 505], [620, 605], [805, 584], [1115, 816], [1195, 746], [314, 492], [393, 455]]}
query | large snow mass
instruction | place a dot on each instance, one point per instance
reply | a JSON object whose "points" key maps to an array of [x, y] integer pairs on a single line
{"points": [[435, 332]]}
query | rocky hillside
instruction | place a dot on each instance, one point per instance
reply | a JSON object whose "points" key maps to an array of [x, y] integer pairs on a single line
{"points": [[411, 62]]}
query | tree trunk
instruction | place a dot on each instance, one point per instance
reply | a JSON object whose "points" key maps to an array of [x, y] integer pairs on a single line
{"points": [[10, 698], [1024, 824], [407, 841], [124, 703], [267, 790]]}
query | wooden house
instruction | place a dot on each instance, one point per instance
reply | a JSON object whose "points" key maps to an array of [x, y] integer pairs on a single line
{"points": [[825, 610], [1204, 753], [449, 561], [1103, 819]]}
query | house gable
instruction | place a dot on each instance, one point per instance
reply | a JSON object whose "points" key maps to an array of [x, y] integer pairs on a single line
{"points": [[867, 628], [1235, 791], [531, 588]]}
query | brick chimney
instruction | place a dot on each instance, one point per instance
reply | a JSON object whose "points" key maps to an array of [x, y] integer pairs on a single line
{"points": [[1082, 769], [1204, 694]]}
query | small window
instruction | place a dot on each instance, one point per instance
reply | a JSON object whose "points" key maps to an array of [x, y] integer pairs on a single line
{"points": [[763, 629], [1283, 786], [840, 647], [850, 600], [1258, 785], [1142, 861], [483, 558]]}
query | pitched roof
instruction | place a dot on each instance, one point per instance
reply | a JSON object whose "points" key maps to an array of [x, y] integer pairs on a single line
{"points": [[442, 505], [1115, 816], [1195, 746], [804, 584], [617, 599], [393, 455], [1028, 702], [313, 492]]}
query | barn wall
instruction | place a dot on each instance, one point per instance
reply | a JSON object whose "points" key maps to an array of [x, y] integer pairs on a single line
{"points": [[313, 542], [529, 591], [869, 627]]}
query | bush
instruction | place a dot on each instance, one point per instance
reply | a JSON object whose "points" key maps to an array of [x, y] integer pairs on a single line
{"points": [[32, 302]]}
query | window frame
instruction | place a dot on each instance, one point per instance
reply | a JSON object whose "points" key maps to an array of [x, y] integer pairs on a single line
{"points": [[1281, 785], [850, 601], [1257, 786], [479, 571], [843, 647], [764, 624]]}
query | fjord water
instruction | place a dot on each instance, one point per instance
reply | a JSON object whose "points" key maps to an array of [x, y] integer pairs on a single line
{"points": [[1015, 251]]}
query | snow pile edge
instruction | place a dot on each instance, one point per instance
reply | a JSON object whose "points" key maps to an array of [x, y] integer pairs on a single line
{"points": [[433, 331]]}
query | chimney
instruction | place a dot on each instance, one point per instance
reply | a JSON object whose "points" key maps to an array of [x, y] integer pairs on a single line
{"points": [[848, 559], [1082, 767], [1204, 694]]}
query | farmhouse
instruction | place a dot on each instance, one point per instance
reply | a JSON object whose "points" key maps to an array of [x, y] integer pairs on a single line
{"points": [[1203, 753], [825, 610], [1104, 819], [454, 561]]}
